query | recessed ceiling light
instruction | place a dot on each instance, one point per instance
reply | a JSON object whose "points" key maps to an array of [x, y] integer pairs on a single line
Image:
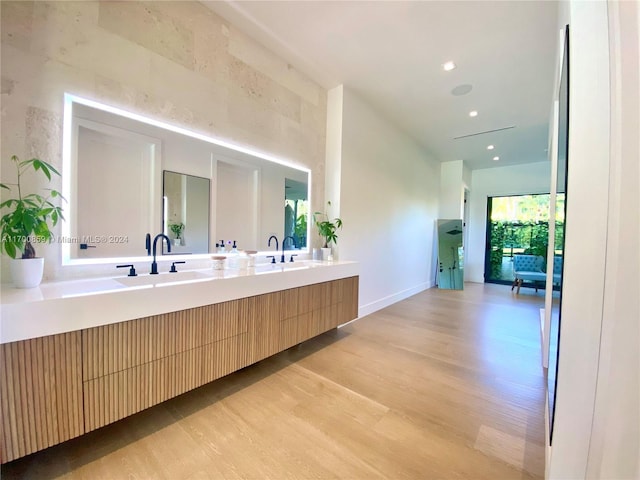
{"points": [[490, 147], [496, 158], [473, 113], [448, 66]]}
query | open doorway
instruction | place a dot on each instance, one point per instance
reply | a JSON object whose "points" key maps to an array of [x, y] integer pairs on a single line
{"points": [[516, 224]]}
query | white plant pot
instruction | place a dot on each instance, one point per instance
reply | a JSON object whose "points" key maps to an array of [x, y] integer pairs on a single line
{"points": [[177, 242], [326, 254], [27, 272]]}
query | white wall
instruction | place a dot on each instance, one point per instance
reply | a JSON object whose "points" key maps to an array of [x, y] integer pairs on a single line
{"points": [[176, 62], [389, 203], [585, 237], [615, 445], [451, 189], [333, 162], [466, 177], [491, 182], [597, 426]]}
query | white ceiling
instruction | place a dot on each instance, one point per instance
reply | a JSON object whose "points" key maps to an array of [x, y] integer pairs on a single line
{"points": [[391, 53]]}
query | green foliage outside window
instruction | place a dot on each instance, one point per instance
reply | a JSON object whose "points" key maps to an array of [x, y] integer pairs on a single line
{"points": [[520, 225]]}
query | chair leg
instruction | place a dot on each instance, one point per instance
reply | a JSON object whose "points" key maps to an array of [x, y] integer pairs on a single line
{"points": [[515, 281], [519, 285]]}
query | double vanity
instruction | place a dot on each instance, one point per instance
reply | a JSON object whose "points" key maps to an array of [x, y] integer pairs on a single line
{"points": [[78, 355]]}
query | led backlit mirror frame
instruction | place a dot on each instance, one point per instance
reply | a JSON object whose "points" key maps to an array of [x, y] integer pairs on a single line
{"points": [[68, 174]]}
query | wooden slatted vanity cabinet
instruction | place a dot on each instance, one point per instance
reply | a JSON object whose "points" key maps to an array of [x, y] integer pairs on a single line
{"points": [[59, 386]]}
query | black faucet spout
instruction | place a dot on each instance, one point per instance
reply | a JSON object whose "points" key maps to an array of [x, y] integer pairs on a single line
{"points": [[154, 265], [284, 240], [273, 237]]}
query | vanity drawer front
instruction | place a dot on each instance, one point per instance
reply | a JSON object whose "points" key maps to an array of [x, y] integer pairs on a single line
{"points": [[40, 394], [224, 320], [115, 396], [120, 346], [321, 307], [348, 308], [265, 314]]}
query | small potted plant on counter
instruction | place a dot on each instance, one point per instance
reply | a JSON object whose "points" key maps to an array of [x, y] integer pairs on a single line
{"points": [[177, 229], [327, 230], [28, 219]]}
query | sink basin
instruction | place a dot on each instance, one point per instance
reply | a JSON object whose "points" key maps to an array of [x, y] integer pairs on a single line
{"points": [[162, 279], [281, 267]]}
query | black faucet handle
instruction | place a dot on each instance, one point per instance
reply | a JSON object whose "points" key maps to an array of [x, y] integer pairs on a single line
{"points": [[272, 257], [173, 267], [132, 270], [293, 255]]}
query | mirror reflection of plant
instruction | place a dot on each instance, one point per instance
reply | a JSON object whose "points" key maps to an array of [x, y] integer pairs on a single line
{"points": [[300, 231], [28, 217], [177, 229], [326, 228]]}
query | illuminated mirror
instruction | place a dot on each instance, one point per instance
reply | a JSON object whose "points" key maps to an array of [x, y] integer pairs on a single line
{"points": [[113, 163]]}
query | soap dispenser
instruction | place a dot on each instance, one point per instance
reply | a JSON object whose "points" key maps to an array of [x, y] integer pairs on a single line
{"points": [[221, 248], [233, 256]]}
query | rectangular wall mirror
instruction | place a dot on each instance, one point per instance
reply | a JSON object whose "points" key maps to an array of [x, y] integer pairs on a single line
{"points": [[185, 219], [558, 247], [450, 274], [113, 164]]}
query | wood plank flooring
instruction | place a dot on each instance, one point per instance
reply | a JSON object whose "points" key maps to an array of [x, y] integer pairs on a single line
{"points": [[446, 384]]}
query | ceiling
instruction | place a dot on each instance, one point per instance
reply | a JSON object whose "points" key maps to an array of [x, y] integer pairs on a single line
{"points": [[391, 53]]}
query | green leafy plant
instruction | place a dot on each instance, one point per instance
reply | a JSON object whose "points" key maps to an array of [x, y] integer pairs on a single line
{"points": [[300, 231], [177, 229], [30, 216], [326, 228]]}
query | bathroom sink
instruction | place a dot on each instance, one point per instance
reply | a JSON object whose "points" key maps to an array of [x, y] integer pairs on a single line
{"points": [[295, 265], [281, 267], [162, 279]]}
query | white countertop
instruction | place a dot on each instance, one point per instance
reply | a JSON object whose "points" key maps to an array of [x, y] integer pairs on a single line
{"points": [[59, 307]]}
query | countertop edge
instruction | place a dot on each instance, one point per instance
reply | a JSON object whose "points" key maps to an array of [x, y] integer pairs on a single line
{"points": [[28, 320]]}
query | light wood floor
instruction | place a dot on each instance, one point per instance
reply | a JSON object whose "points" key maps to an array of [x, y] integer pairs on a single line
{"points": [[445, 385]]}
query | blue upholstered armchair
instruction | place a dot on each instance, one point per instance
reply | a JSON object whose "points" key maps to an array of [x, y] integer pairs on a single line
{"points": [[528, 268], [557, 270]]}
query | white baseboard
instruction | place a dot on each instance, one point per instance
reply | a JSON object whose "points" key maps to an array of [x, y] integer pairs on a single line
{"points": [[364, 310]]}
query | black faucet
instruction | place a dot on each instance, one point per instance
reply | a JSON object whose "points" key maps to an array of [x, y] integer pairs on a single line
{"points": [[284, 240], [154, 265], [269, 244]]}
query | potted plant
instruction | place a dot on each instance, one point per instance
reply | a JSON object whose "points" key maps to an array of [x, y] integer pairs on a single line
{"points": [[177, 229], [327, 230], [28, 219]]}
